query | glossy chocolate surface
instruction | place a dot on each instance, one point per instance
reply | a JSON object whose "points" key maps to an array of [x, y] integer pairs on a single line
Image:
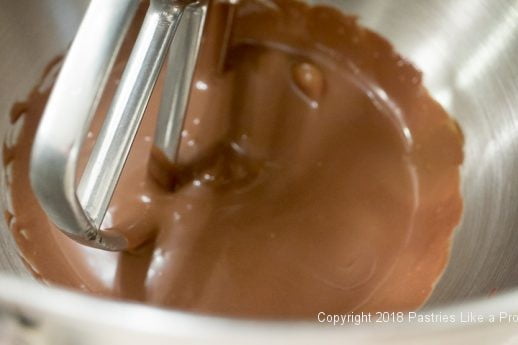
{"points": [[315, 174]]}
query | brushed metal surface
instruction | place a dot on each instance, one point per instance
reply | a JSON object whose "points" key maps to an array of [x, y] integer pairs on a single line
{"points": [[31, 34], [468, 51], [33, 317]]}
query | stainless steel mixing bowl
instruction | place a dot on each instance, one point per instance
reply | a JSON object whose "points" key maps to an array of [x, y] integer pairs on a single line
{"points": [[468, 51]]}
